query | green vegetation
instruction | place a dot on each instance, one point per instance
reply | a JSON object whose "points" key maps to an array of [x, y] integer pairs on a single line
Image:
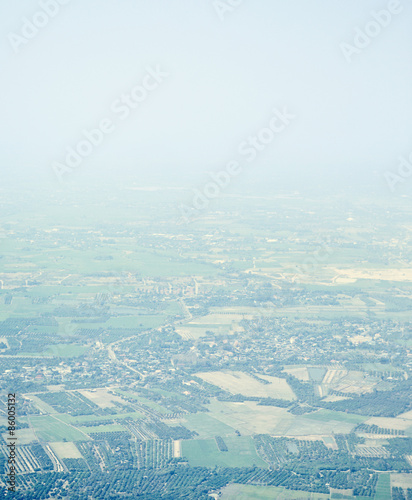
{"points": [[327, 416], [246, 492], [165, 360], [206, 426], [383, 487], [205, 453]]}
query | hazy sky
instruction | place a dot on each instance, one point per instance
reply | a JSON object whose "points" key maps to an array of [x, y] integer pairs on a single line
{"points": [[225, 77]]}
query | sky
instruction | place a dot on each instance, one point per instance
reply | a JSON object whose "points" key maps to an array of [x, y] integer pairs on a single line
{"points": [[210, 78]]}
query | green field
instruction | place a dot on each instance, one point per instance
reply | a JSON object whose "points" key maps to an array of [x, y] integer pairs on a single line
{"points": [[207, 426], [41, 405], [49, 429], [205, 453], [247, 492], [328, 415], [383, 487]]}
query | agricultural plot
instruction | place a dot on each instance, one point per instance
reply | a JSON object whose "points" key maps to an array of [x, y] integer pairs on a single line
{"points": [[383, 487], [336, 416], [368, 450], [40, 404], [394, 274], [356, 382], [27, 461], [407, 415], [30, 458], [108, 452], [156, 453], [133, 397], [26, 436], [50, 429], [320, 311], [305, 428], [205, 453], [299, 372], [401, 481], [379, 367], [206, 426], [333, 376], [316, 373], [101, 397], [352, 382], [322, 423], [66, 450], [249, 418], [241, 383], [236, 312], [399, 423], [248, 492], [73, 403], [69, 261], [65, 350]]}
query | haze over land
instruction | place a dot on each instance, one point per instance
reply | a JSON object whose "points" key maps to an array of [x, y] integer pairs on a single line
{"points": [[238, 339], [205, 250]]}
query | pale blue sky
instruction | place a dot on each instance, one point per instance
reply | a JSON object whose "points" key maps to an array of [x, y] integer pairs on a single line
{"points": [[225, 79]]}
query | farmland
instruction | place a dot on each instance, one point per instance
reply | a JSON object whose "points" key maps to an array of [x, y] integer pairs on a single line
{"points": [[50, 429], [240, 383], [243, 492], [205, 453], [208, 359]]}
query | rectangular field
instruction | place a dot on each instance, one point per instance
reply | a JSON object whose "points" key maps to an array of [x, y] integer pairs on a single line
{"points": [[49, 429], [101, 397], [205, 453], [240, 383], [383, 487], [207, 426], [66, 450], [329, 415], [248, 492], [401, 480], [250, 418]]}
